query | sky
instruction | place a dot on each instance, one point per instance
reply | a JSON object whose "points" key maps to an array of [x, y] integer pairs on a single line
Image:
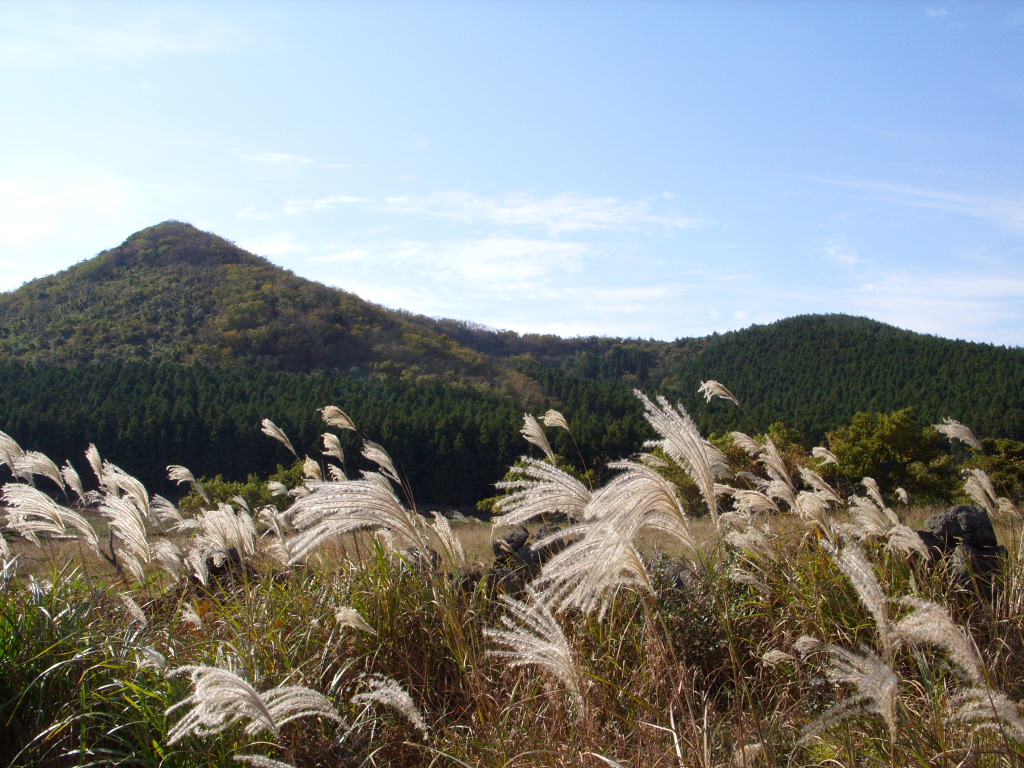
{"points": [[641, 169]]}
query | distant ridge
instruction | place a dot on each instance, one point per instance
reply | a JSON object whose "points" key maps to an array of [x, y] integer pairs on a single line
{"points": [[180, 333]]}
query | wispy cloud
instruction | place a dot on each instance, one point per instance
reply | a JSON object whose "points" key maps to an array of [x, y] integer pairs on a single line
{"points": [[277, 158], [1003, 210], [838, 248], [278, 244], [119, 32], [298, 207], [558, 214], [955, 305]]}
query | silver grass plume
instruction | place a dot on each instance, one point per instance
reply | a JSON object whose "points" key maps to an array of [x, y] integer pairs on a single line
{"points": [[382, 459], [605, 558], [987, 710], [383, 690], [169, 557], [930, 623], [127, 523], [220, 699], [133, 609], [332, 447], [191, 616], [855, 565], [335, 417], [180, 474], [954, 430], [555, 419], [876, 688], [33, 512], [350, 617], [534, 433], [72, 480], [873, 491], [681, 441], [128, 486], [220, 531], [35, 463], [450, 543], [92, 455], [979, 487], [826, 456], [712, 389], [542, 489], [271, 429], [873, 520], [261, 762], [335, 508], [9, 449], [311, 470], [533, 638]]}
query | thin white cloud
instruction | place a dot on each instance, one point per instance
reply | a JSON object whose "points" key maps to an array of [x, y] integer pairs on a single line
{"points": [[558, 214], [961, 305], [277, 158], [279, 244], [57, 34], [839, 249], [298, 207], [1003, 210]]}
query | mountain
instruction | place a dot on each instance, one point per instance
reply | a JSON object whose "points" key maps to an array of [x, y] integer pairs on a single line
{"points": [[176, 294], [172, 347]]}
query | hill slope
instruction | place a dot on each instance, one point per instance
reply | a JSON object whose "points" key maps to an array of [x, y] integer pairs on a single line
{"points": [[176, 294], [173, 346]]}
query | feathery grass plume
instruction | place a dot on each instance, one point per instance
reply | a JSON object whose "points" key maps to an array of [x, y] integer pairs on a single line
{"points": [[979, 487], [954, 430], [541, 489], [128, 486], [534, 638], [9, 449], [180, 474], [220, 699], [876, 689], [133, 609], [873, 491], [32, 463], [872, 520], [335, 417], [987, 710], [33, 512], [746, 535], [749, 502], [586, 574], [222, 530], [332, 447], [555, 419], [127, 523], [151, 658], [336, 508], [169, 557], [712, 389], [350, 617], [681, 440], [311, 470], [270, 429], [261, 762], [92, 455], [805, 645], [902, 495], [72, 480], [376, 453], [826, 456], [851, 560], [534, 434], [384, 690], [930, 623], [191, 616], [450, 543], [167, 516]]}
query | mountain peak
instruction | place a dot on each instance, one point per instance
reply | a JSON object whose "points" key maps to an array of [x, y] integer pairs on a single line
{"points": [[176, 242]]}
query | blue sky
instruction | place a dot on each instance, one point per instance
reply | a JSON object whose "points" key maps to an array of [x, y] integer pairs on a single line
{"points": [[644, 169]]}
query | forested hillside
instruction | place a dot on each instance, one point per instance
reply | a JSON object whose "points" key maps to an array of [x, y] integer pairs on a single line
{"points": [[172, 347]]}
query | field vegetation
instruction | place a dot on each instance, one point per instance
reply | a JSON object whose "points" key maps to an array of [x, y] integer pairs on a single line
{"points": [[735, 602]]}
